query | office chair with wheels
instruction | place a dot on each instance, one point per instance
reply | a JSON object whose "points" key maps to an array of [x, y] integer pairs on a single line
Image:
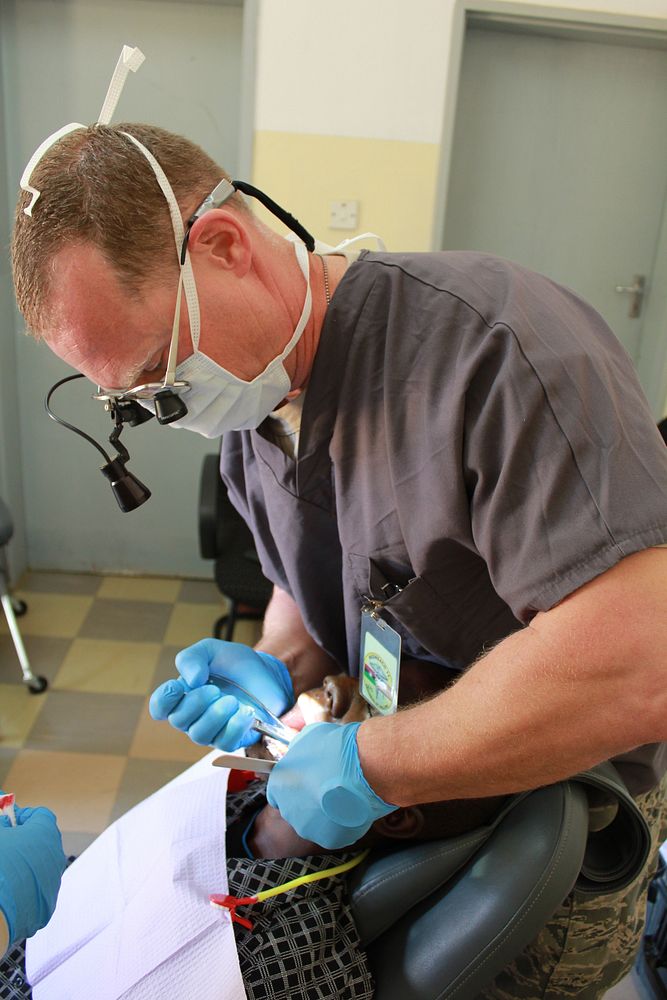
{"points": [[225, 537], [13, 607]]}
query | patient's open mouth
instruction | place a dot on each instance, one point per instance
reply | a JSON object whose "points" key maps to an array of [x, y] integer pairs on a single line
{"points": [[293, 718]]}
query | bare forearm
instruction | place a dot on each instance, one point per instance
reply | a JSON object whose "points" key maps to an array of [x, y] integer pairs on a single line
{"points": [[284, 635], [585, 682]]}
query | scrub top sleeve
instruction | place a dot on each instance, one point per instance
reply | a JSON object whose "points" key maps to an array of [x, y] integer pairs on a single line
{"points": [[564, 468]]}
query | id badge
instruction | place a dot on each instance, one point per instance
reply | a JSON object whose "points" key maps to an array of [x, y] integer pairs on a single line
{"points": [[379, 663]]}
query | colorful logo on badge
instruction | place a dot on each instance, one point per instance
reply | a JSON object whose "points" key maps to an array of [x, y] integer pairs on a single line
{"points": [[377, 681]]}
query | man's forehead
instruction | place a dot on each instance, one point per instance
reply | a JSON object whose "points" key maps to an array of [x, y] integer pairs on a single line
{"points": [[78, 262], [94, 323], [82, 285]]}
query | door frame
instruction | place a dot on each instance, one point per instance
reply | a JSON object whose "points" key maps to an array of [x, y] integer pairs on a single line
{"points": [[559, 21]]}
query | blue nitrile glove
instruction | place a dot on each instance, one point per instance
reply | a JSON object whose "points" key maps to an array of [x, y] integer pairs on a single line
{"points": [[31, 864], [320, 789], [203, 711]]}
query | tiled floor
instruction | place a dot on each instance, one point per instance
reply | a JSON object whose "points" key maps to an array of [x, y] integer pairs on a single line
{"points": [[87, 747]]}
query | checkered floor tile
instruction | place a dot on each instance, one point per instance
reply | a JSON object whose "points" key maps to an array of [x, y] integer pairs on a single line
{"points": [[87, 747]]}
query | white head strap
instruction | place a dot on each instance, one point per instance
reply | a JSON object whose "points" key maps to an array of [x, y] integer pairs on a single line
{"points": [[130, 60], [186, 278]]}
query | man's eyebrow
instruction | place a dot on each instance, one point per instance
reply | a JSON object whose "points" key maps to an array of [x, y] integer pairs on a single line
{"points": [[135, 372]]}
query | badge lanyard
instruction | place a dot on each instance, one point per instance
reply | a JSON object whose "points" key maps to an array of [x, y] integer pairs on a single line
{"points": [[379, 659]]}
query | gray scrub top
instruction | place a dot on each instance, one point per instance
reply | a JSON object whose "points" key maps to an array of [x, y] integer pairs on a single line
{"points": [[475, 441]]}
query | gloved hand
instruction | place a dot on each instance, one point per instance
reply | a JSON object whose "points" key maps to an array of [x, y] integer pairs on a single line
{"points": [[203, 711], [320, 789], [31, 864]]}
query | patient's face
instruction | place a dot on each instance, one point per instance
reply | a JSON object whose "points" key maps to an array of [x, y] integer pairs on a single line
{"points": [[338, 700]]}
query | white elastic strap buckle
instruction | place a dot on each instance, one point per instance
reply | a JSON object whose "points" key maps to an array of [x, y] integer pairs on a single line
{"points": [[36, 157], [129, 60]]}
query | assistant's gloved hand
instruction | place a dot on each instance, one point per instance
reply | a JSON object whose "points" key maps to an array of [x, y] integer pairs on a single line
{"points": [[31, 864], [203, 711], [320, 789]]}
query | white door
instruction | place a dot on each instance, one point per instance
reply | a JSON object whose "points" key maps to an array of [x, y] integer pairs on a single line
{"points": [[560, 163]]}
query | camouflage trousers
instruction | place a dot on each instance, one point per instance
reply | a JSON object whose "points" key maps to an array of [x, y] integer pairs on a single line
{"points": [[591, 942]]}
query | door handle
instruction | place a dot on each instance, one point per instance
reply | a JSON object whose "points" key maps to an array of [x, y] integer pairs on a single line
{"points": [[637, 292]]}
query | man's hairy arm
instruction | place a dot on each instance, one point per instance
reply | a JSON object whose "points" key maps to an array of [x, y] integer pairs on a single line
{"points": [[284, 635], [583, 682]]}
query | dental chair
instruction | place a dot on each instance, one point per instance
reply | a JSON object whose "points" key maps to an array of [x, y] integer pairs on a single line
{"points": [[442, 919], [13, 607], [225, 538]]}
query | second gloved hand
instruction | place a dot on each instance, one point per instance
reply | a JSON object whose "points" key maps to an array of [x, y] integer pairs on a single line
{"points": [[320, 789], [31, 865], [210, 717]]}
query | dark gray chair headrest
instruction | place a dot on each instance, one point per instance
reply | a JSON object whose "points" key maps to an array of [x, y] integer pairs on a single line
{"points": [[450, 940], [441, 919]]}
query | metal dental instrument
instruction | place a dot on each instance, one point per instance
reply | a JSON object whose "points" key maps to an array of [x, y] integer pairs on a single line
{"points": [[265, 722], [274, 732], [236, 763]]}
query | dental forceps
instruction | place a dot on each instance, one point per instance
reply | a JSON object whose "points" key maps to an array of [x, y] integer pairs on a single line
{"points": [[265, 721]]}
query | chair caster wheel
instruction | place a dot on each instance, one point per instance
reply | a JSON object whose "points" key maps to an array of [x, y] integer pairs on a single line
{"points": [[38, 685], [20, 607]]}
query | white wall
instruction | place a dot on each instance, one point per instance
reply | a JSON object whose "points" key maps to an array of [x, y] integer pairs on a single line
{"points": [[11, 482], [373, 69], [356, 101], [58, 57]]}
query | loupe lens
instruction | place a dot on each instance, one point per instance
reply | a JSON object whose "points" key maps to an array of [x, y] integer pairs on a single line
{"points": [[169, 407]]}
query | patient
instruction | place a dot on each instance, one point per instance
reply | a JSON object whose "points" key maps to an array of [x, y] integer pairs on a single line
{"points": [[312, 928], [268, 835], [303, 942]]}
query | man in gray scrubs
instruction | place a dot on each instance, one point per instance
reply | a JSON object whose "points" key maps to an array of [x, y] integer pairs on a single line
{"points": [[447, 443]]}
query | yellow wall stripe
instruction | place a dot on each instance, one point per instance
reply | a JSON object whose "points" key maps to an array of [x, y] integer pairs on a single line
{"points": [[394, 182]]}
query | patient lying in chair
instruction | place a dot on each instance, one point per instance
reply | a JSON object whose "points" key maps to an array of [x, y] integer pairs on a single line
{"points": [[268, 835], [302, 942], [313, 931]]}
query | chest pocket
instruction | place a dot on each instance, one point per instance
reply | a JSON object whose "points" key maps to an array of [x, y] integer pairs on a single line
{"points": [[411, 606], [429, 624]]}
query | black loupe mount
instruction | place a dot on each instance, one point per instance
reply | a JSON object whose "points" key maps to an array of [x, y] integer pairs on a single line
{"points": [[129, 491]]}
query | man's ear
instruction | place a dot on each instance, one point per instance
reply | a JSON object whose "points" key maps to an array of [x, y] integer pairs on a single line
{"points": [[222, 237], [402, 824]]}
